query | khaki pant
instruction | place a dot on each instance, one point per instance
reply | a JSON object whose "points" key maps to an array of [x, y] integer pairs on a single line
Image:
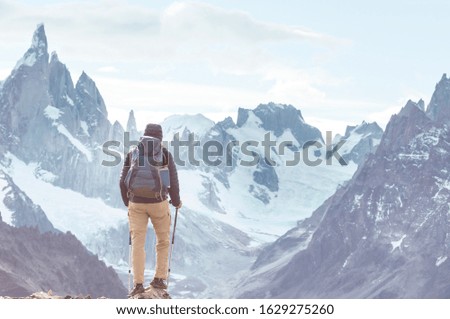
{"points": [[138, 215]]}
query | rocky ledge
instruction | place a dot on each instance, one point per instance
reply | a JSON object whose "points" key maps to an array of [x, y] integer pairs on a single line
{"points": [[149, 293]]}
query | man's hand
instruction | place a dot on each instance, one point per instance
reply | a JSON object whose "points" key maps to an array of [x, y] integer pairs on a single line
{"points": [[176, 206]]}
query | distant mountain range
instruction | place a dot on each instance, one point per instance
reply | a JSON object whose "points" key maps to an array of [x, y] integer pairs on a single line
{"points": [[52, 133], [384, 234]]}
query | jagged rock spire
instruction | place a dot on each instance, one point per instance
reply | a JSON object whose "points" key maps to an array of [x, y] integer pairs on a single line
{"points": [[132, 127], [131, 124], [439, 107], [88, 91], [39, 42], [37, 54]]}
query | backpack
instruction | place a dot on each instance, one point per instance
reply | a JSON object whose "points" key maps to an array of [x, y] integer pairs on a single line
{"points": [[144, 176]]}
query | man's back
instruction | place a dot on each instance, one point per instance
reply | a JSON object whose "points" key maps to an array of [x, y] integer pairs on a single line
{"points": [[144, 193]]}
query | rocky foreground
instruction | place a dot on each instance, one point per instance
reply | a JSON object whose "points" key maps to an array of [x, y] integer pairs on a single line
{"points": [[150, 293]]}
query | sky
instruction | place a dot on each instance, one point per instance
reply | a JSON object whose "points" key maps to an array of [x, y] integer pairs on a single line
{"points": [[339, 62]]}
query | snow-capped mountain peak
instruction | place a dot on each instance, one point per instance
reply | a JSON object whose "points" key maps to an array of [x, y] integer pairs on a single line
{"points": [[364, 128], [185, 124], [38, 50], [233, 206], [278, 118], [39, 41], [359, 141], [388, 224]]}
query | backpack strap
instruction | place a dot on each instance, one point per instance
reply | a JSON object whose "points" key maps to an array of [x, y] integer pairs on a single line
{"points": [[165, 156]]}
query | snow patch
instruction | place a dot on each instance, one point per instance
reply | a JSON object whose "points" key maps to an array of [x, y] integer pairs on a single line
{"points": [[376, 142], [345, 262], [66, 209], [191, 184], [351, 142], [354, 139], [69, 100], [443, 185], [357, 200], [440, 260], [52, 112], [287, 136], [75, 142], [84, 127], [429, 214], [380, 214], [399, 199], [29, 59], [418, 156], [397, 244], [429, 138]]}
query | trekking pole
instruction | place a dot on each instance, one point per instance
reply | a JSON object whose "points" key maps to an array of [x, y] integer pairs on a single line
{"points": [[129, 263], [154, 250], [171, 247]]}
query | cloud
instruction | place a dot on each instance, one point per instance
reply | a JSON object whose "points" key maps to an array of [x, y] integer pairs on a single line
{"points": [[108, 69], [189, 57], [97, 30], [195, 21], [156, 100], [177, 96], [114, 30]]}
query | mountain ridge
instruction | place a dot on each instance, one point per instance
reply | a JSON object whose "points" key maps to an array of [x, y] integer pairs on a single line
{"points": [[54, 154], [54, 261], [383, 234]]}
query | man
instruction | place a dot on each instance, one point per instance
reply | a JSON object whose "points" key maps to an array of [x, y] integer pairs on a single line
{"points": [[139, 169]]}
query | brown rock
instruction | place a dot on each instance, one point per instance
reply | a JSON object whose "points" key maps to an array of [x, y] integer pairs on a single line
{"points": [[152, 293]]}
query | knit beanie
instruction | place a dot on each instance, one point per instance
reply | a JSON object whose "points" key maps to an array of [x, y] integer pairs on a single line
{"points": [[154, 130]]}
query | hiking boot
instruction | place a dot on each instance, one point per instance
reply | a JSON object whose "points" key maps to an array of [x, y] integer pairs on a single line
{"points": [[138, 289], [158, 283]]}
